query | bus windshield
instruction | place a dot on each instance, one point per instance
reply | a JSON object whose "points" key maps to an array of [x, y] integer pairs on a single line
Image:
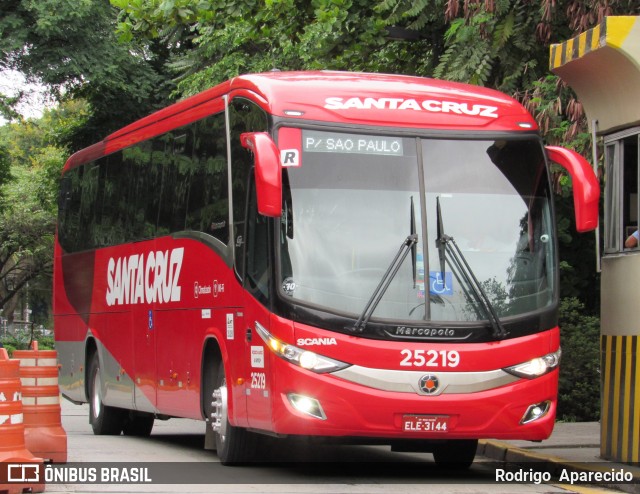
{"points": [[353, 199]]}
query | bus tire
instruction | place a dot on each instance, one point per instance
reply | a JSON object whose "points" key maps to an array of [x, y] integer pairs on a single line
{"points": [[456, 454], [234, 445], [138, 424], [104, 420]]}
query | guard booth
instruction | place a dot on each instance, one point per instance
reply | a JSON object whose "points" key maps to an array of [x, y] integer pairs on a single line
{"points": [[602, 66]]}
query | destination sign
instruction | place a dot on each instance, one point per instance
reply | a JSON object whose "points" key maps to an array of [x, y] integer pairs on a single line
{"points": [[333, 142]]}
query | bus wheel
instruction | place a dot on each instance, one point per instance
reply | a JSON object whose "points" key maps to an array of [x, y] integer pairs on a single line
{"points": [[105, 420], [456, 454], [234, 445], [138, 424]]}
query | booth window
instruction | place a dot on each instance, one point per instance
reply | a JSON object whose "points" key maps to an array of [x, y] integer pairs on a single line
{"points": [[621, 188]]}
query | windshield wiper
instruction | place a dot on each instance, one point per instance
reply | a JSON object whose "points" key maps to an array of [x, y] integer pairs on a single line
{"points": [[440, 243], [414, 247], [376, 296], [447, 245]]}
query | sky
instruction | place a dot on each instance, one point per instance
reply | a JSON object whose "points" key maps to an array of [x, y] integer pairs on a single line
{"points": [[35, 102]]}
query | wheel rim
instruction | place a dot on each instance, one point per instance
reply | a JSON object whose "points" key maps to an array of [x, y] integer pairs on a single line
{"points": [[95, 398], [219, 412]]}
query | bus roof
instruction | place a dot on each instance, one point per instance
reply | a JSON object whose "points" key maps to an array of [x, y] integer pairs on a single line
{"points": [[343, 98]]}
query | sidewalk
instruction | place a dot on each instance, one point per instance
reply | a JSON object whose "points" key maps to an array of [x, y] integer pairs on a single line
{"points": [[572, 448]]}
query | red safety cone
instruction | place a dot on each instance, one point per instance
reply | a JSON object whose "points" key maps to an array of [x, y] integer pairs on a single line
{"points": [[43, 431], [19, 469]]}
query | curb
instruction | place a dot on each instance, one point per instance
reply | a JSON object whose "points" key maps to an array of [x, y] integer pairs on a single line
{"points": [[507, 454]]}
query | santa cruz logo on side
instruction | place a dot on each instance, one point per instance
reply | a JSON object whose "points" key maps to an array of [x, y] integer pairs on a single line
{"points": [[145, 278], [430, 105]]}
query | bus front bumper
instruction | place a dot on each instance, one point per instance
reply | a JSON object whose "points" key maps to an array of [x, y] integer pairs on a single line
{"points": [[327, 405]]}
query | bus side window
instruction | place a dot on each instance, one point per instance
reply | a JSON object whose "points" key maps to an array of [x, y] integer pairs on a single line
{"points": [[244, 116], [69, 204], [115, 205], [257, 249], [142, 194], [208, 197], [88, 207], [163, 158]]}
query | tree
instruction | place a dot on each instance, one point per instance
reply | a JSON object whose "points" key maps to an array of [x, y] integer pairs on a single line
{"points": [[70, 47], [214, 41], [31, 151], [26, 240], [578, 397], [5, 173]]}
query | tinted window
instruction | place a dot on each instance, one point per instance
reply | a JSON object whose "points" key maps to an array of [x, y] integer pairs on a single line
{"points": [[257, 274], [244, 116], [171, 183]]}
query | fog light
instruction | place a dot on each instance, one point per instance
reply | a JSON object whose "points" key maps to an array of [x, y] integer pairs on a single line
{"points": [[307, 405], [535, 412]]}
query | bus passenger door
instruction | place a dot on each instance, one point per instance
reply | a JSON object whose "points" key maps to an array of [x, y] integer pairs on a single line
{"points": [[257, 295]]}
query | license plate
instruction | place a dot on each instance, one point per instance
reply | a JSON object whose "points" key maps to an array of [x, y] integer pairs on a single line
{"points": [[425, 423]]}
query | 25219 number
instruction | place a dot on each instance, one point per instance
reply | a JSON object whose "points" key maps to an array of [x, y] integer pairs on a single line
{"points": [[429, 358], [258, 380]]}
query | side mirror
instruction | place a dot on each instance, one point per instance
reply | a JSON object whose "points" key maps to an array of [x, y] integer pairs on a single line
{"points": [[586, 189], [268, 172]]}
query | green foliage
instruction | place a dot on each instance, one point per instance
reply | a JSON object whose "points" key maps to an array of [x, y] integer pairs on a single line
{"points": [[5, 173], [36, 152], [35, 158], [21, 340], [579, 388], [7, 104], [559, 114], [578, 275], [46, 343], [214, 41], [26, 235], [496, 49], [71, 47], [418, 16]]}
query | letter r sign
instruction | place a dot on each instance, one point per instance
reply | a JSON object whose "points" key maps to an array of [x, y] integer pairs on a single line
{"points": [[289, 157]]}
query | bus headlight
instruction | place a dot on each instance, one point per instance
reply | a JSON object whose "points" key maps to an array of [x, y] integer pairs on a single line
{"points": [[303, 358], [536, 367]]}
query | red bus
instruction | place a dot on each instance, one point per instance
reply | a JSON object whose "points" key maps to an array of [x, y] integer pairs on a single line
{"points": [[354, 256]]}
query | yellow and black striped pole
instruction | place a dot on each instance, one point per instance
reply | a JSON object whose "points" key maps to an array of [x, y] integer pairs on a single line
{"points": [[620, 421]]}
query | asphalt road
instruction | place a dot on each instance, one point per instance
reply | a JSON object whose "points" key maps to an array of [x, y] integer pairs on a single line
{"points": [[174, 460]]}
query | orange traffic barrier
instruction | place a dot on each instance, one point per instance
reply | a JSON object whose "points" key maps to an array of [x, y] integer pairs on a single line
{"points": [[17, 464], [43, 432]]}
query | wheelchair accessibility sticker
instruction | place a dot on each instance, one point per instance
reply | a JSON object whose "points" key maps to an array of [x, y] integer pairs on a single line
{"points": [[439, 285]]}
